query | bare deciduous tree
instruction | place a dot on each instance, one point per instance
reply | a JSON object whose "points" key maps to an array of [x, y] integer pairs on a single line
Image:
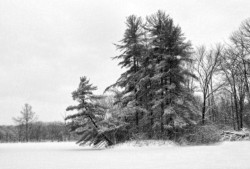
{"points": [[206, 66], [236, 76], [25, 120], [241, 44]]}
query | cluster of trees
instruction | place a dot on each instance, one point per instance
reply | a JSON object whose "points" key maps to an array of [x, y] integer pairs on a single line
{"points": [[28, 128], [154, 54], [168, 87], [155, 100], [223, 75]]}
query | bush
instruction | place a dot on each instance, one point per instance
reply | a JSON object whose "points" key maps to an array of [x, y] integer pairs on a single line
{"points": [[196, 135]]}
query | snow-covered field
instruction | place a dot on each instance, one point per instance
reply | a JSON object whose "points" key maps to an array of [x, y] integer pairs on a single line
{"points": [[228, 155]]}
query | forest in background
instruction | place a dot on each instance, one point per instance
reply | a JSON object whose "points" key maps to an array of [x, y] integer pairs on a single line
{"points": [[169, 90], [37, 132]]}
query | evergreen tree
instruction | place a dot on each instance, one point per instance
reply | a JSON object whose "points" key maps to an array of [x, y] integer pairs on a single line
{"points": [[131, 47], [169, 51], [88, 121]]}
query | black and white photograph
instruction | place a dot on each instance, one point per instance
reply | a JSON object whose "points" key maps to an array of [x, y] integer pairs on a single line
{"points": [[124, 84]]}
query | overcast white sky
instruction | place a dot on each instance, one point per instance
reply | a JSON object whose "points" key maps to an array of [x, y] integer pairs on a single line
{"points": [[47, 45]]}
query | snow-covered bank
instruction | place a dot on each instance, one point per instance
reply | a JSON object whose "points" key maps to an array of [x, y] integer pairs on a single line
{"points": [[144, 144], [229, 155]]}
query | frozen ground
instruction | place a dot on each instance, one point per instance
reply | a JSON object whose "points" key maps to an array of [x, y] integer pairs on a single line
{"points": [[229, 155]]}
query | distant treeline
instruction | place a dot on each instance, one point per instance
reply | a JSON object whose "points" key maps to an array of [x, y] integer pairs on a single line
{"points": [[38, 131]]}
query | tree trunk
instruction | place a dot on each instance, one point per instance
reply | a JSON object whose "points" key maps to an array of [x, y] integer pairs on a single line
{"points": [[241, 104], [26, 131], [136, 99], [162, 110], [104, 136], [203, 108], [246, 80], [236, 105], [232, 112]]}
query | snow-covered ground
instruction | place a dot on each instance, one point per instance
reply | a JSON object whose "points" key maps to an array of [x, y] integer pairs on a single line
{"points": [[228, 155]]}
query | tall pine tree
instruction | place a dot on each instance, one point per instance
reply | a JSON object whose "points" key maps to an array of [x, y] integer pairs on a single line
{"points": [[131, 47], [169, 51]]}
